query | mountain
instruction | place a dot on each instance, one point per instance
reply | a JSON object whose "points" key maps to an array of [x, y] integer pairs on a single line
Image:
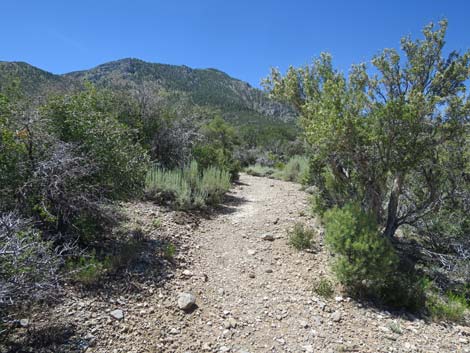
{"points": [[33, 82], [209, 88]]}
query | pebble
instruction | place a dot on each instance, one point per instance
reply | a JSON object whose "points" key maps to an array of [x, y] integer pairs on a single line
{"points": [[336, 316]]}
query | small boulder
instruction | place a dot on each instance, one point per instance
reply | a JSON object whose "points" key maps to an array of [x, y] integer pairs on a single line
{"points": [[24, 322], [186, 301]]}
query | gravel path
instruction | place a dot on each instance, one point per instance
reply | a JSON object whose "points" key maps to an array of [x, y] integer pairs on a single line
{"points": [[258, 295], [252, 294]]}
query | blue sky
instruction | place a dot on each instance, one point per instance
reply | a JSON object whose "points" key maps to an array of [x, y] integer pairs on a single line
{"points": [[243, 38]]}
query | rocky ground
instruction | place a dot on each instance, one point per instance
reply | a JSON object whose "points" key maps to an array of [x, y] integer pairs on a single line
{"points": [[253, 292]]}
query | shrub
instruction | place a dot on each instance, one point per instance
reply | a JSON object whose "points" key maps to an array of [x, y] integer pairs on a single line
{"points": [[296, 169], [169, 251], [188, 187], [213, 184], [29, 266], [260, 170], [83, 119], [157, 223], [323, 288], [451, 308], [365, 260], [217, 147], [301, 237], [87, 269]]}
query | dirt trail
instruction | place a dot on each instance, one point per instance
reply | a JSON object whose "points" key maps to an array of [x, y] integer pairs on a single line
{"points": [[253, 295], [258, 294]]}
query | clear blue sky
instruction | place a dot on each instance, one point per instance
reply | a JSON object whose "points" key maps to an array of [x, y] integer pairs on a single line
{"points": [[243, 38]]}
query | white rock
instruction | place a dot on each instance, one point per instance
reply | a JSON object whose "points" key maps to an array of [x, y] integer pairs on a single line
{"points": [[24, 322], [186, 301], [336, 316], [308, 349], [118, 314]]}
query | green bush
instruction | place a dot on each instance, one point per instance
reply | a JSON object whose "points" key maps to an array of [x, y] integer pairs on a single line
{"points": [[365, 260], [83, 119], [169, 251], [301, 237], [323, 288], [296, 169], [188, 187], [366, 263], [451, 308], [87, 269], [217, 147]]}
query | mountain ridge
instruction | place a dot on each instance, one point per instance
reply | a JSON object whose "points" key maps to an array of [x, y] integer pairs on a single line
{"points": [[203, 87]]}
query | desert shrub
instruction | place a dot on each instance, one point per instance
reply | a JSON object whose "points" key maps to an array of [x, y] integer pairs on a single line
{"points": [[87, 269], [169, 251], [217, 147], [63, 195], [189, 187], [168, 186], [173, 142], [29, 266], [452, 307], [301, 237], [213, 184], [323, 287], [364, 259], [260, 170], [12, 157], [81, 119], [296, 169]]}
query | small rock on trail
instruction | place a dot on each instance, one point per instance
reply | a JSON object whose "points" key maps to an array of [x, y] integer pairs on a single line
{"points": [[186, 301]]}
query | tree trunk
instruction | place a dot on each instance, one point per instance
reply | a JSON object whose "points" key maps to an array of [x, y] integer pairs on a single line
{"points": [[392, 216]]}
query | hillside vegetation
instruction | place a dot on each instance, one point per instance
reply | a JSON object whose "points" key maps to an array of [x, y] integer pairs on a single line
{"points": [[89, 159]]}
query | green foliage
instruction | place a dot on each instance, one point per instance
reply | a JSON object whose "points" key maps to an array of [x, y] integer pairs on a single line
{"points": [[13, 158], [395, 327], [301, 237], [169, 251], [217, 149], [364, 259], [323, 288], [87, 269], [157, 223], [451, 308], [377, 137], [296, 169], [366, 263], [189, 187], [83, 119]]}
